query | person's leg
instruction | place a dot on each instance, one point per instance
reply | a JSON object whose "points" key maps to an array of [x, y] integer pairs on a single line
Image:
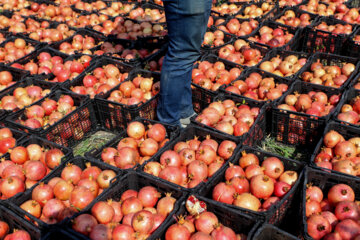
{"points": [[184, 49]]}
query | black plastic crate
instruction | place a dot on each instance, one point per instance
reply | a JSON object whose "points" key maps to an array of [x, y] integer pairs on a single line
{"points": [[33, 43], [240, 223], [270, 232], [324, 181], [59, 233], [328, 59], [298, 12], [97, 37], [351, 47], [118, 115], [15, 203], [189, 133], [276, 212], [34, 56], [291, 45], [202, 97], [136, 181], [347, 132], [277, 80], [348, 96], [296, 128], [69, 130], [276, 52], [172, 132], [25, 141], [17, 74], [17, 223], [28, 81], [239, 100], [315, 40]]}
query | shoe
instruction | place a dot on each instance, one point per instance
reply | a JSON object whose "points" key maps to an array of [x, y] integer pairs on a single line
{"points": [[186, 121]]}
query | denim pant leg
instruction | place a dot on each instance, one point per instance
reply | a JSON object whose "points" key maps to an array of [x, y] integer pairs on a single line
{"points": [[186, 101], [185, 31]]}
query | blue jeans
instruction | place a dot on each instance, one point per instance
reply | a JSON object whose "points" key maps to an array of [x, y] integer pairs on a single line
{"points": [[187, 23]]}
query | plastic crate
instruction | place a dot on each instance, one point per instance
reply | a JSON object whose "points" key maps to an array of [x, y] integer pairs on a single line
{"points": [[270, 232], [118, 115], [227, 40], [202, 97], [348, 96], [136, 181], [352, 48], [34, 56], [44, 144], [298, 12], [69, 130], [316, 40], [276, 212], [296, 128], [16, 222], [237, 221], [328, 59], [34, 43], [277, 79], [283, 54], [347, 132], [324, 181], [239, 100], [291, 45], [59, 233], [24, 83], [17, 74], [172, 132], [227, 15], [14, 204], [154, 57], [189, 133], [83, 32], [352, 3]]}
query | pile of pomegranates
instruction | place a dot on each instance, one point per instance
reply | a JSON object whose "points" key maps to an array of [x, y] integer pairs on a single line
{"points": [[226, 9], [253, 183], [7, 140], [7, 79], [336, 29], [199, 222], [212, 75], [48, 112], [289, 3], [24, 166], [15, 49], [314, 102], [87, 20], [349, 15], [27, 26], [272, 36], [339, 154], [256, 10], [15, 5], [215, 38], [80, 43], [147, 14], [240, 27], [130, 30], [213, 20], [295, 19], [14, 20], [118, 9], [333, 216], [258, 87], [155, 64], [284, 65], [68, 192], [22, 97], [50, 12], [135, 215], [350, 111], [317, 7], [138, 90], [328, 74], [17, 233], [228, 116], [90, 7], [50, 35], [192, 161], [241, 52], [100, 80], [142, 142]]}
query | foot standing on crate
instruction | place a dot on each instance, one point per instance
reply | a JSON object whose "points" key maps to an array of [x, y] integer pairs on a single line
{"points": [[186, 22]]}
